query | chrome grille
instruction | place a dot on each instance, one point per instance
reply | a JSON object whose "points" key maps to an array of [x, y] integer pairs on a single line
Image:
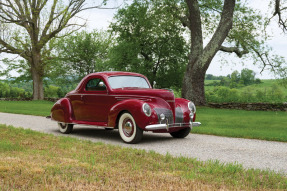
{"points": [[178, 115], [168, 115]]}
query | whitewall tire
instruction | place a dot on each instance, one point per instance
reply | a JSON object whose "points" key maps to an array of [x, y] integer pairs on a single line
{"points": [[65, 128], [128, 129]]}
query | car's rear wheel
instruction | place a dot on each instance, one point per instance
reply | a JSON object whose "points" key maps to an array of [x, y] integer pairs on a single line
{"points": [[65, 128], [129, 131], [181, 133]]}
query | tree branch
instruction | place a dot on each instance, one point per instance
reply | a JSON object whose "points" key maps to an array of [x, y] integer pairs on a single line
{"points": [[195, 26], [222, 30], [236, 50], [277, 11], [12, 50]]}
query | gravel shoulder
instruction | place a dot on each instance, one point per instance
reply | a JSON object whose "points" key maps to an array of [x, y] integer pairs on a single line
{"points": [[248, 152]]}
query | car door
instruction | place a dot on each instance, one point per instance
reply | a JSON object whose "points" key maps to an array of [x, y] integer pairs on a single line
{"points": [[95, 104], [96, 100]]}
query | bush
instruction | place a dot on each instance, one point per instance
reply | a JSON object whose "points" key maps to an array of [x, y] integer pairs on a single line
{"points": [[276, 93], [260, 95], [7, 91], [222, 94], [51, 91]]}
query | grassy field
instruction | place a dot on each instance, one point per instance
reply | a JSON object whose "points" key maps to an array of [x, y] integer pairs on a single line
{"points": [[34, 161], [265, 125], [39, 108]]}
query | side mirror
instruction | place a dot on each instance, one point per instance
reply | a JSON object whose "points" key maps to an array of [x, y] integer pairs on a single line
{"points": [[101, 84]]}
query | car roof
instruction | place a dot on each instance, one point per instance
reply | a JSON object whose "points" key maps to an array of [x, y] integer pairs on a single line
{"points": [[116, 73], [108, 74]]}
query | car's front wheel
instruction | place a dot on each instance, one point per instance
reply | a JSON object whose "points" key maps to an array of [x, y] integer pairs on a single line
{"points": [[129, 131], [181, 133], [65, 128]]}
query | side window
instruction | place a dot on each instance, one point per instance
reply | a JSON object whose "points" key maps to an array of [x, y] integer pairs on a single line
{"points": [[95, 84]]}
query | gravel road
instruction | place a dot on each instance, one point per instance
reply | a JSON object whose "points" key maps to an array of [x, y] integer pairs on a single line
{"points": [[250, 153]]}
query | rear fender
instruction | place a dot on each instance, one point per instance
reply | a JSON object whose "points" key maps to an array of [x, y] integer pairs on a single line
{"points": [[134, 107], [62, 111]]}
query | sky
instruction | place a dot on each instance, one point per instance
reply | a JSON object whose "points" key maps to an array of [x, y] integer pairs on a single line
{"points": [[101, 18]]}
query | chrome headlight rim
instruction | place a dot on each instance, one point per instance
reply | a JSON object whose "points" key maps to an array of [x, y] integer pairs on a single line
{"points": [[191, 107], [146, 109]]}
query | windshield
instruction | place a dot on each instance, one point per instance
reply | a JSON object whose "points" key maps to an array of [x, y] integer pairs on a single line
{"points": [[127, 81]]}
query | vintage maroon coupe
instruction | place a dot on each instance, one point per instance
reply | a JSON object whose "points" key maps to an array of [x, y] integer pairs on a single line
{"points": [[124, 101]]}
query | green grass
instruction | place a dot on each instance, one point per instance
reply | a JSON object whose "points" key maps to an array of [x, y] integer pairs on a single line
{"points": [[266, 125], [35, 161], [38, 108]]}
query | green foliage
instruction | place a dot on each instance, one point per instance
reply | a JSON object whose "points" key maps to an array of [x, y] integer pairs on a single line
{"points": [[247, 76], [263, 92], [212, 77], [235, 79], [74, 57], [6, 91], [223, 94], [150, 41], [81, 54], [52, 91], [276, 93]]}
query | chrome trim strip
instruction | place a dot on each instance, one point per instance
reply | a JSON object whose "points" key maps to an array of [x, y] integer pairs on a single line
{"points": [[167, 127], [156, 127], [196, 124]]}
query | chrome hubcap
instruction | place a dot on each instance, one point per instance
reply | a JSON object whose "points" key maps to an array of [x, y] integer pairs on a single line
{"points": [[128, 127]]}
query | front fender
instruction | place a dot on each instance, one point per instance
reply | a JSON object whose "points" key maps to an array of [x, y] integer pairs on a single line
{"points": [[62, 111], [183, 104], [134, 107]]}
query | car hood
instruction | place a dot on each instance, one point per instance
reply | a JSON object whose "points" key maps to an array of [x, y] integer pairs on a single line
{"points": [[167, 95]]}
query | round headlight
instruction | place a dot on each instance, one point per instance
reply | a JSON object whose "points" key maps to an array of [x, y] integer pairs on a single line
{"points": [[191, 107], [146, 109]]}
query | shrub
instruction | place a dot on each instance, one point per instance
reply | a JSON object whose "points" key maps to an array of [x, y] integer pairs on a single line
{"points": [[276, 94], [260, 95], [51, 91], [7, 91]]}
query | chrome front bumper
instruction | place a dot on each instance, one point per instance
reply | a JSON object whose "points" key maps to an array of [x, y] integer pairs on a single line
{"points": [[168, 126]]}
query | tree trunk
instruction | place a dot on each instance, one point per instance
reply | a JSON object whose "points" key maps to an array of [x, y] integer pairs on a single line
{"points": [[37, 76], [200, 58], [193, 84], [38, 89]]}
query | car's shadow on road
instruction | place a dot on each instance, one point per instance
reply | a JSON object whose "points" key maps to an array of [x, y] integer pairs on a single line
{"points": [[103, 135]]}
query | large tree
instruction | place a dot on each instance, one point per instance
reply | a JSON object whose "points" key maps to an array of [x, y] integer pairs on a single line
{"points": [[26, 27], [150, 41], [212, 26], [81, 53], [228, 27]]}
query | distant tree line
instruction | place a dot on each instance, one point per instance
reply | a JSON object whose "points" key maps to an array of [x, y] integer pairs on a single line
{"points": [[235, 79]]}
